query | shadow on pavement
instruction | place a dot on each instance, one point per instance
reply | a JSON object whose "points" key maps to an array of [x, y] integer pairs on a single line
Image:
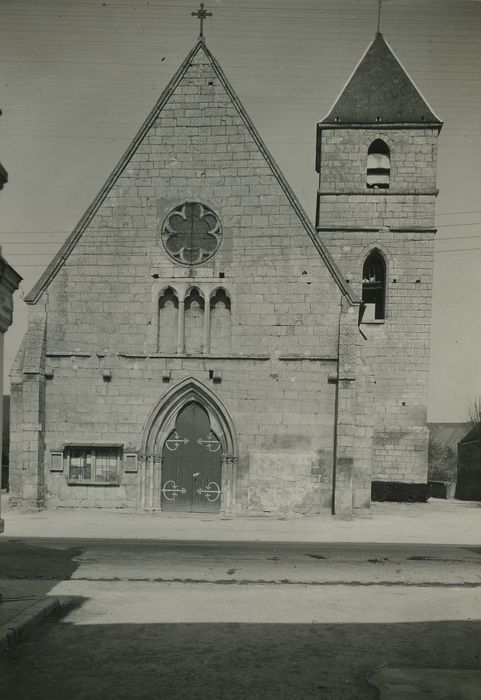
{"points": [[35, 567], [213, 661]]}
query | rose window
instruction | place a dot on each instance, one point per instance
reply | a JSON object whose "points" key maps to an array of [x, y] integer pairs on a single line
{"points": [[191, 233]]}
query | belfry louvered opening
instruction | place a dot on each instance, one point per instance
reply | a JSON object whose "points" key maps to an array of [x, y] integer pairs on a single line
{"points": [[378, 165]]}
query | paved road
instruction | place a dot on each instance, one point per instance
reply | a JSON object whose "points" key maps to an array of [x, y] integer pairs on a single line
{"points": [[238, 620], [152, 560]]}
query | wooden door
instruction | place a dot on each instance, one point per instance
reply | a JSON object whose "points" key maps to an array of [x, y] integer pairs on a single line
{"points": [[191, 464]]}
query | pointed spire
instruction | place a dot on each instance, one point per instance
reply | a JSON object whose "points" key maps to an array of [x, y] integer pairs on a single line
{"points": [[380, 91]]}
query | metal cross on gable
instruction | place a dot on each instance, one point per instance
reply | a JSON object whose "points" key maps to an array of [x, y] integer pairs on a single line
{"points": [[379, 12], [201, 14]]}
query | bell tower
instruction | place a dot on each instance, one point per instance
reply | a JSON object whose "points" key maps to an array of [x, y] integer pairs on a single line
{"points": [[376, 157]]}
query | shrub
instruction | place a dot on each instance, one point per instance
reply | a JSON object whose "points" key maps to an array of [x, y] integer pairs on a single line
{"points": [[441, 462]]}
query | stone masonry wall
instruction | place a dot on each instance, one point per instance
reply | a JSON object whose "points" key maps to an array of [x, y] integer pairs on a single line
{"points": [[396, 352], [27, 416], [283, 412], [103, 311], [408, 202], [352, 491]]}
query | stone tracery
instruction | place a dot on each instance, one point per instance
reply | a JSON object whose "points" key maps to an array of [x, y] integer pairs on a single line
{"points": [[191, 233]]}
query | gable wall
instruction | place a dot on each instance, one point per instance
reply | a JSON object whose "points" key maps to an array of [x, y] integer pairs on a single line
{"points": [[200, 149], [102, 311]]}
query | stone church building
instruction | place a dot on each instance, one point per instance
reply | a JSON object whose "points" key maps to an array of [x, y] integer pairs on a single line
{"points": [[198, 344]]}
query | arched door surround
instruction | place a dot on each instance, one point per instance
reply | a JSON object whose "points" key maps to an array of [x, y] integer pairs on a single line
{"points": [[162, 423]]}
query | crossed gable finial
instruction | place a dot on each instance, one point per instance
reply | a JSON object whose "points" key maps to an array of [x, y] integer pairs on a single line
{"points": [[201, 14]]}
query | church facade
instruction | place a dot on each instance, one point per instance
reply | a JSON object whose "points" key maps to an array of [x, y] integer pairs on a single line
{"points": [[199, 345]]}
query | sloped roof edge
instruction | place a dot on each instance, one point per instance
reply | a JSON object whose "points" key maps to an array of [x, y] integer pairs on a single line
{"points": [[449, 433], [473, 435], [297, 206], [53, 268], [56, 264], [328, 120], [325, 119], [440, 121]]}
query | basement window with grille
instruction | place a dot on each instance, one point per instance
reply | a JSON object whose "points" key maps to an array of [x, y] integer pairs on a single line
{"points": [[94, 465]]}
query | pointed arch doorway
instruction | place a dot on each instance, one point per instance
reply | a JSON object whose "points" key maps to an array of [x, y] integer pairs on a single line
{"points": [[192, 464], [189, 448]]}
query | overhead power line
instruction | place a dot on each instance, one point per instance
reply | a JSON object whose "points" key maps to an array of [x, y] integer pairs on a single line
{"points": [[67, 230], [289, 260], [36, 243]]}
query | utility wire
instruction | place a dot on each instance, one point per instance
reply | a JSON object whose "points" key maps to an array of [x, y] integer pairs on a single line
{"points": [[65, 232], [287, 261]]}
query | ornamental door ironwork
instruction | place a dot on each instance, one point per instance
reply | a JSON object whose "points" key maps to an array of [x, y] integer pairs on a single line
{"points": [[192, 464]]}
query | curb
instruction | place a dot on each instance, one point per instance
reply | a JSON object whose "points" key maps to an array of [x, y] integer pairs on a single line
{"points": [[20, 627]]}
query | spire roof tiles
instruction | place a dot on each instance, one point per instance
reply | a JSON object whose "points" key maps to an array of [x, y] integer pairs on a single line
{"points": [[380, 91]]}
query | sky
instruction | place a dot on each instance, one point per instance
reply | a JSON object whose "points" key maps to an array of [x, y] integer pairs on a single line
{"points": [[78, 77]]}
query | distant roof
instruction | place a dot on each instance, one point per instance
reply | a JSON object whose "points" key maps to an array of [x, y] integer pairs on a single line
{"points": [[380, 91], [474, 434], [449, 433]]}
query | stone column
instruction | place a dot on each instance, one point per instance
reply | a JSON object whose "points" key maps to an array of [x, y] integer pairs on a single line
{"points": [[143, 476], [228, 483], [207, 325], [180, 327], [149, 483], [156, 482]]}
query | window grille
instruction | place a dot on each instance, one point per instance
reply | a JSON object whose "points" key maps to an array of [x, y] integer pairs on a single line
{"points": [[94, 464]]}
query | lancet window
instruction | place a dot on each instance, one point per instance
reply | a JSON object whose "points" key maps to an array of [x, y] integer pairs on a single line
{"points": [[194, 333], [167, 339], [374, 286], [220, 321]]}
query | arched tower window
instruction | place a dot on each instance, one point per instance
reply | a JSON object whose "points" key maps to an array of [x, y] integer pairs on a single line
{"points": [[378, 165], [374, 286]]}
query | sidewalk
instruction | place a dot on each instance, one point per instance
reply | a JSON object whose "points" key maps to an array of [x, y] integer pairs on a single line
{"points": [[20, 610], [435, 522]]}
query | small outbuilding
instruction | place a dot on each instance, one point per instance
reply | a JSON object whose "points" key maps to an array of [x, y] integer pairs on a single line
{"points": [[468, 486]]}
